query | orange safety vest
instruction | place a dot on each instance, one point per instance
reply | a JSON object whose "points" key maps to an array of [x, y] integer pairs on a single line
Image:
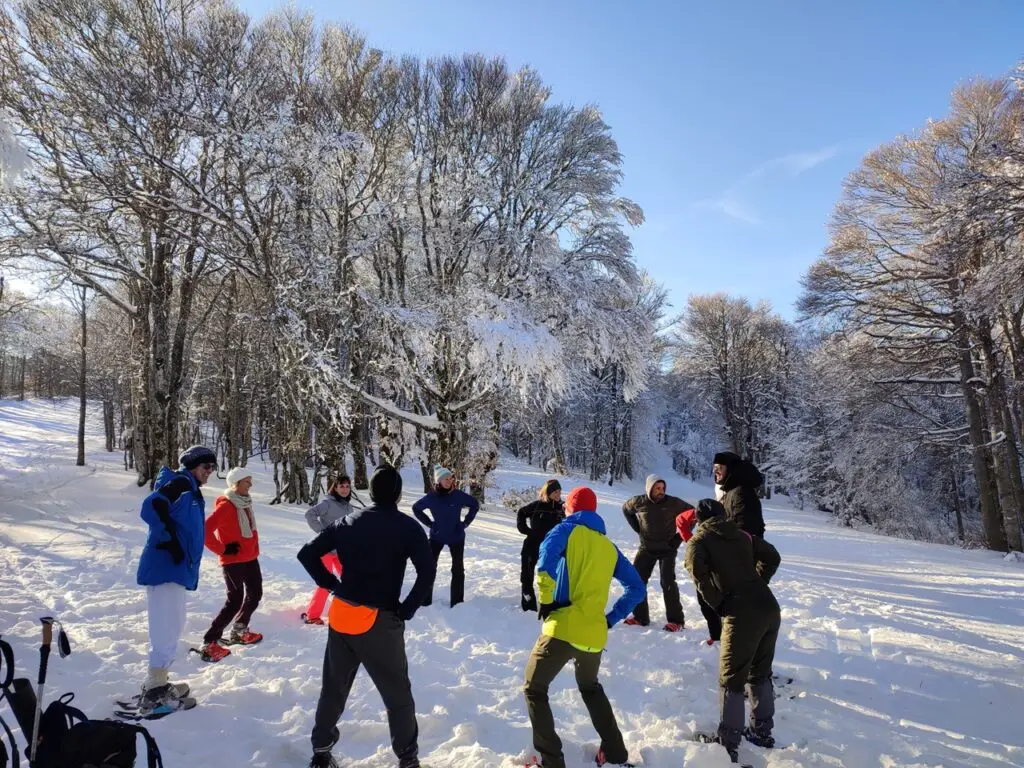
{"points": [[349, 618]]}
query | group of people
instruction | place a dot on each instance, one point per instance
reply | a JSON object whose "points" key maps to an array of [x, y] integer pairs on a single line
{"points": [[359, 556]]}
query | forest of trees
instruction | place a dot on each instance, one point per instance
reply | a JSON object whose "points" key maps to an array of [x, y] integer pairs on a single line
{"points": [[270, 237]]}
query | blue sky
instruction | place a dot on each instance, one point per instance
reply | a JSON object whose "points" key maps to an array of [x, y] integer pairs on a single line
{"points": [[738, 121]]}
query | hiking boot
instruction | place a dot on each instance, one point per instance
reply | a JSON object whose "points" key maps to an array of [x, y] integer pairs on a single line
{"points": [[307, 619], [213, 651], [163, 699], [240, 635], [633, 622], [673, 627], [759, 737]]}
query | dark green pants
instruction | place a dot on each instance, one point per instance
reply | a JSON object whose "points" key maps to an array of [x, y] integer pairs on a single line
{"points": [[547, 659], [745, 667]]}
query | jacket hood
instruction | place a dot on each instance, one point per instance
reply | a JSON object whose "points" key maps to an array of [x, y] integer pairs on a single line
{"points": [[590, 520], [723, 528], [742, 474], [708, 509], [651, 480], [166, 475]]}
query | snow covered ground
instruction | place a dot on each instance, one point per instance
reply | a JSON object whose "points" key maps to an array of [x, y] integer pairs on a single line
{"points": [[903, 654]]}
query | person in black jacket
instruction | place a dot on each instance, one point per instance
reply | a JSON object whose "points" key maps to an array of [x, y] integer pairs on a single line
{"points": [[367, 618], [534, 521], [739, 481]]}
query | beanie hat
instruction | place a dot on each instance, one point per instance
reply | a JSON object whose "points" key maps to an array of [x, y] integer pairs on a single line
{"points": [[196, 455], [440, 473], [709, 508], [236, 474], [549, 487], [581, 499], [725, 458], [385, 485]]}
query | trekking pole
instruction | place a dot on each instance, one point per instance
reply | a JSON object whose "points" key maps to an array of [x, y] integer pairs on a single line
{"points": [[44, 658]]}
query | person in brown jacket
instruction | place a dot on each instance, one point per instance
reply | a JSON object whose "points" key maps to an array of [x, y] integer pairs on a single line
{"points": [[731, 570], [653, 517]]}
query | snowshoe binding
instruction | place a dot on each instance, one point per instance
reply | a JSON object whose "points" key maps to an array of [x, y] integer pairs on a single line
{"points": [[211, 652], [240, 635], [673, 627], [307, 619], [634, 622], [156, 703]]}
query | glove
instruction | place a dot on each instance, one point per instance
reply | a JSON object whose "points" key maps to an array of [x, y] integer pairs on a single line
{"points": [[546, 609], [232, 548], [406, 611], [609, 622], [173, 548]]}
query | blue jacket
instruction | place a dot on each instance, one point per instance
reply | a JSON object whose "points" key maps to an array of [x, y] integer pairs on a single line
{"points": [[373, 545], [447, 525], [575, 570], [176, 503]]}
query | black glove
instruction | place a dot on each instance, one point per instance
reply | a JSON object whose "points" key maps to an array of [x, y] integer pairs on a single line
{"points": [[608, 621], [406, 611], [173, 547], [232, 548], [546, 609]]}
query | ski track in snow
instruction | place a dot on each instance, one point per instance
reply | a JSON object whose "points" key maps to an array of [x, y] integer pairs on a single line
{"points": [[903, 653]]}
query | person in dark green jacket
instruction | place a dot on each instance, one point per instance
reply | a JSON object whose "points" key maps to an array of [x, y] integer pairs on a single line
{"points": [[731, 570]]}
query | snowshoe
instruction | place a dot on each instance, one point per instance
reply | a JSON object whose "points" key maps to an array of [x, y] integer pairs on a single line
{"points": [[759, 738], [178, 691], [211, 652], [306, 619], [533, 762], [242, 636], [634, 622], [600, 759], [323, 760], [672, 627], [157, 703]]}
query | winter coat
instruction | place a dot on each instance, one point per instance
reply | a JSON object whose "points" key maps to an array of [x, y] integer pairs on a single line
{"points": [[328, 512], [575, 570], [731, 568], [740, 499], [175, 509], [222, 528], [536, 520], [374, 544], [655, 521], [445, 521]]}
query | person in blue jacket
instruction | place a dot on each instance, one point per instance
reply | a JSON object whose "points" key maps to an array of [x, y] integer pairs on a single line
{"points": [[447, 526], [169, 567]]}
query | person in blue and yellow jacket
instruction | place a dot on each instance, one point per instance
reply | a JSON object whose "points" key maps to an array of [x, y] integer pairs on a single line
{"points": [[576, 566]]}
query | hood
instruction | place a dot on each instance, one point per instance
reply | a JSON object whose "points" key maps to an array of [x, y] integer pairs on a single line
{"points": [[651, 480], [742, 474], [590, 520], [166, 475], [725, 529], [708, 509]]}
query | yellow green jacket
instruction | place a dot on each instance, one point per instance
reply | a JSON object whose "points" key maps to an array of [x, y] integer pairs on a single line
{"points": [[576, 566]]}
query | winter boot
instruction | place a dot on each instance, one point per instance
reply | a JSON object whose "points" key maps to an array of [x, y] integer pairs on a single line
{"points": [[163, 700], [602, 760], [307, 619], [240, 635]]}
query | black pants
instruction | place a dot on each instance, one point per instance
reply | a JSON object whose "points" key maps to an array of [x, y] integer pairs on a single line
{"points": [[457, 552], [245, 590], [713, 619], [382, 651], [528, 559], [644, 563]]}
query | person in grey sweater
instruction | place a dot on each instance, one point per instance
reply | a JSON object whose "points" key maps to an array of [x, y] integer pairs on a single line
{"points": [[336, 505]]}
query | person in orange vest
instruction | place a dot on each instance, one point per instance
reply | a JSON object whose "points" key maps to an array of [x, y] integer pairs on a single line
{"points": [[367, 616], [231, 534]]}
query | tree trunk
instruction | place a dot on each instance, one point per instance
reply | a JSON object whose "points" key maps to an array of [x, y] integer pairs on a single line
{"points": [[360, 480], [80, 460], [109, 432], [21, 381]]}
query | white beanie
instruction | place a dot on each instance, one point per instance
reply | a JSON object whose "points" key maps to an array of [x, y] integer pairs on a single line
{"points": [[236, 474]]}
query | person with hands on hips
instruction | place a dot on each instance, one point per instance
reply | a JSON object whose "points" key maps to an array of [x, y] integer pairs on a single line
{"points": [[574, 573], [367, 616], [447, 527]]}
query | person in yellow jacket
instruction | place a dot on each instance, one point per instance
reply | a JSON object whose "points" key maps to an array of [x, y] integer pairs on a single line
{"points": [[574, 572]]}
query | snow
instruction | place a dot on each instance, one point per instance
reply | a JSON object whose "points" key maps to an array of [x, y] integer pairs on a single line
{"points": [[903, 653]]}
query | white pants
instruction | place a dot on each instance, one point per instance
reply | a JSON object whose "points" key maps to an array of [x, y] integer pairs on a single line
{"points": [[166, 605]]}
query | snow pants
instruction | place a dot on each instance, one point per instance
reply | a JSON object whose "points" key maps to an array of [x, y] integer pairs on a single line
{"points": [[547, 659], [528, 571], [458, 553], [165, 604], [244, 582], [382, 651], [644, 563], [745, 667]]}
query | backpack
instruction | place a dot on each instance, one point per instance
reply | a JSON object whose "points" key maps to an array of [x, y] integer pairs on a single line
{"points": [[67, 738]]}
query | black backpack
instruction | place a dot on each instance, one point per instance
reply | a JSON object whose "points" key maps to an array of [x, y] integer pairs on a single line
{"points": [[67, 738]]}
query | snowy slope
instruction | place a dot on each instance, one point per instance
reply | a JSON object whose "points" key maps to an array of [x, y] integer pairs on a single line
{"points": [[903, 653]]}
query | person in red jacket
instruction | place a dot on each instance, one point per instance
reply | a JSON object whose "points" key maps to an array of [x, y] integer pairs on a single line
{"points": [[231, 533], [685, 523]]}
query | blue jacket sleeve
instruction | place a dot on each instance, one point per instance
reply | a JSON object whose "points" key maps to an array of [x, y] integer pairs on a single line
{"points": [[418, 511], [474, 507], [635, 592], [552, 550]]}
